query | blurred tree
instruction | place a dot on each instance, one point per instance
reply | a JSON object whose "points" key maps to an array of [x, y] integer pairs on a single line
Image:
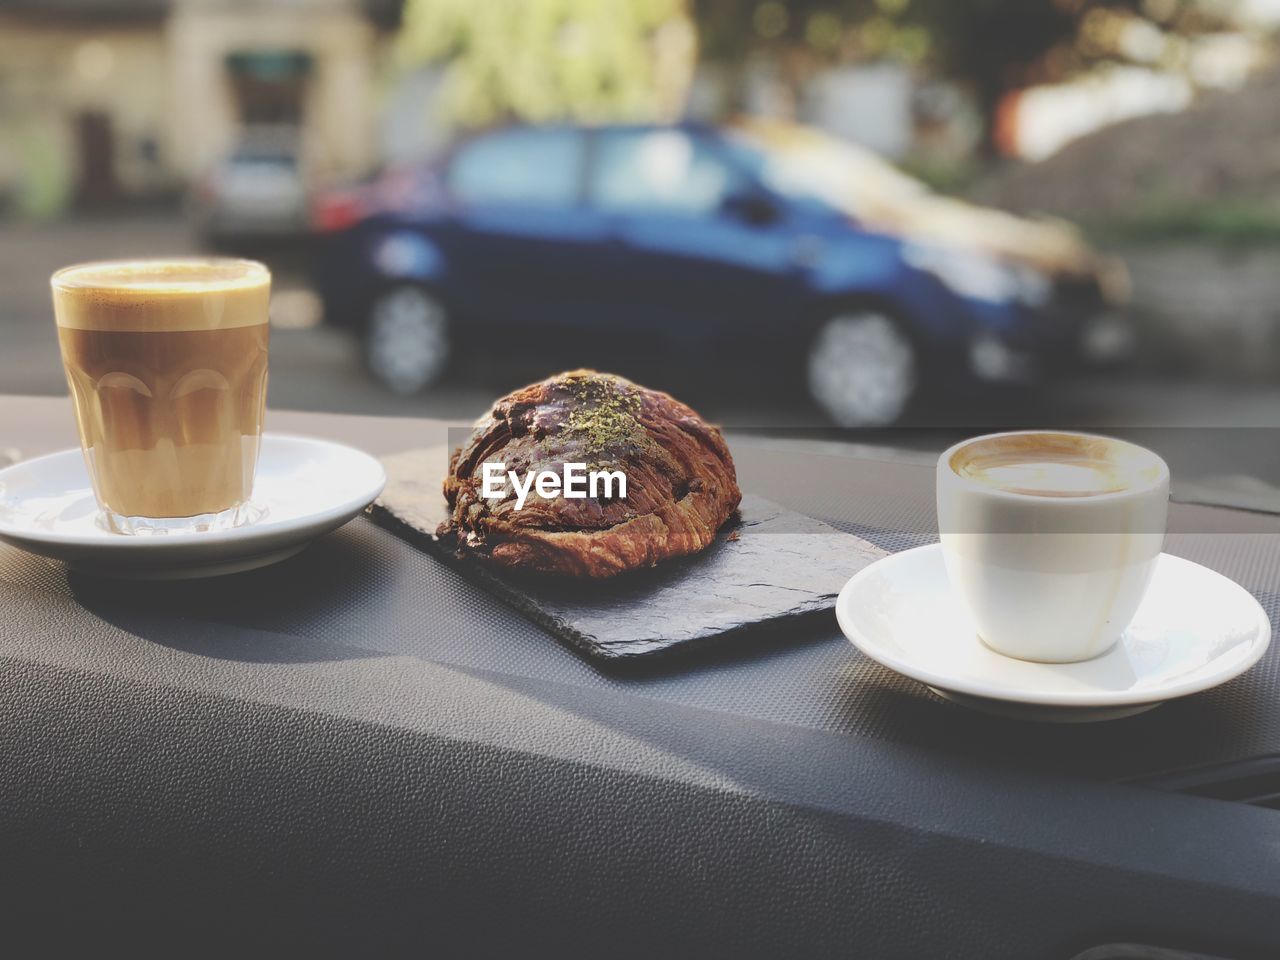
{"points": [[543, 60], [992, 46], [995, 46], [987, 44]]}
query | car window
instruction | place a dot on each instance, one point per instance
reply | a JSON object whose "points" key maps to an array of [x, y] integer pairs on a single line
{"points": [[660, 169], [528, 166], [815, 166]]}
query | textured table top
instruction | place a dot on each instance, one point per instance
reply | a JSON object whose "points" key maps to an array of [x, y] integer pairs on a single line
{"points": [[358, 746]]}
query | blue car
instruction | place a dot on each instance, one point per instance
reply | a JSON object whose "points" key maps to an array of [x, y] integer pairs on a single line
{"points": [[762, 245]]}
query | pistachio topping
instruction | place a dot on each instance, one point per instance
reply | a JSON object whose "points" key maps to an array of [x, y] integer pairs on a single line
{"points": [[605, 415]]}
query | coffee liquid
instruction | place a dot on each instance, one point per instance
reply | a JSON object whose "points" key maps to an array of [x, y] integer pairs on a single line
{"points": [[167, 365], [1049, 465]]}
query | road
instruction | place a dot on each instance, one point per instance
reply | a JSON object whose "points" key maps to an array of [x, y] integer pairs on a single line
{"points": [[317, 368]]}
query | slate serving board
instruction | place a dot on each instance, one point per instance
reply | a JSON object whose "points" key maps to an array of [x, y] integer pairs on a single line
{"points": [[769, 566]]}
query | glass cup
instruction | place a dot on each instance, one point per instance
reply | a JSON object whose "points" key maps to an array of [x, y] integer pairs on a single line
{"points": [[167, 365]]}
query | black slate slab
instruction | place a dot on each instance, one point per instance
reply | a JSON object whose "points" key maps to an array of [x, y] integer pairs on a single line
{"points": [[769, 566]]}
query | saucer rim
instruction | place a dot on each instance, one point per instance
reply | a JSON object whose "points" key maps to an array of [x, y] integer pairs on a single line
{"points": [[267, 528], [1200, 681]]}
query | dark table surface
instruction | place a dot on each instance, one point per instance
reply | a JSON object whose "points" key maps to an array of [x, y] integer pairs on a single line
{"points": [[364, 729]]}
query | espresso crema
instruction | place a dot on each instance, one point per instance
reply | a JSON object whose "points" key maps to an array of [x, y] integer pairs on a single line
{"points": [[1054, 465], [167, 365]]}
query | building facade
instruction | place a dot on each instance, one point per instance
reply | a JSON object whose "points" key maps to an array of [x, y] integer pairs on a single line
{"points": [[110, 100]]}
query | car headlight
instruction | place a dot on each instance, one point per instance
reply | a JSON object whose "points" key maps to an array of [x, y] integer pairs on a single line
{"points": [[978, 277]]}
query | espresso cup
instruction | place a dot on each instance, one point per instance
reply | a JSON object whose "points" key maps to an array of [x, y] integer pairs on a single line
{"points": [[1050, 538], [166, 361]]}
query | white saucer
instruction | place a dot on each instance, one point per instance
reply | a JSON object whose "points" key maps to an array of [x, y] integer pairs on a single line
{"points": [[307, 487], [1194, 630]]}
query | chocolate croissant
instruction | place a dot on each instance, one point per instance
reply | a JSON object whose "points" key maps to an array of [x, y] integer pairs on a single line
{"points": [[676, 473]]}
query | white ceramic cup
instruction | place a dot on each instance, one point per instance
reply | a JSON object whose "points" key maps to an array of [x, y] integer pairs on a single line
{"points": [[1050, 577]]}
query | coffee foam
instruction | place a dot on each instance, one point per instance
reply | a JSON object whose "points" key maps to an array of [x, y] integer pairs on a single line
{"points": [[1055, 465], [162, 295]]}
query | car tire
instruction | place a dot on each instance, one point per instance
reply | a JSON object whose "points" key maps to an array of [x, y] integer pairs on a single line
{"points": [[407, 342], [862, 369]]}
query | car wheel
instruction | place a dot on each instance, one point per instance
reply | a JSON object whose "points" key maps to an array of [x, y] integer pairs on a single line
{"points": [[407, 339], [862, 370]]}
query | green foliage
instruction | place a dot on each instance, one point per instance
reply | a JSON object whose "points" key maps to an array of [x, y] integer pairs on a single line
{"points": [[45, 183], [731, 29], [542, 60], [942, 173], [1222, 222]]}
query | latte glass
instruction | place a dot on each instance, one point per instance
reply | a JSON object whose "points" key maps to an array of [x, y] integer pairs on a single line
{"points": [[1051, 538], [167, 365]]}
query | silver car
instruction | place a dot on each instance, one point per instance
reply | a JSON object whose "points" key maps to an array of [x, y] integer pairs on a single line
{"points": [[258, 189]]}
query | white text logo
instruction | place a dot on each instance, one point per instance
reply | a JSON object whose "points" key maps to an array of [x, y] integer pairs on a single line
{"points": [[575, 483]]}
